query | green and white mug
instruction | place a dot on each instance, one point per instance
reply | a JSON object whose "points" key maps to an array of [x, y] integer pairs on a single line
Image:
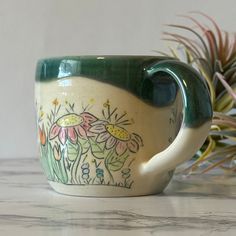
{"points": [[118, 125]]}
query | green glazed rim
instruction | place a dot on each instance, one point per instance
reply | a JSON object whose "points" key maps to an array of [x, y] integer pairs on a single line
{"points": [[153, 79], [92, 66], [126, 72]]}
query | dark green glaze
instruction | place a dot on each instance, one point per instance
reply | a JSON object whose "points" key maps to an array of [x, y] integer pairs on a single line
{"points": [[144, 76], [125, 72], [197, 103]]}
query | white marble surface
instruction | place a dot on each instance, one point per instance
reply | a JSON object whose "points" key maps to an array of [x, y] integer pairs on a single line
{"points": [[29, 207]]}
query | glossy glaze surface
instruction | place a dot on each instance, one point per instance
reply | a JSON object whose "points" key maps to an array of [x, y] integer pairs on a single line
{"points": [[118, 125], [89, 135], [126, 72], [143, 76]]}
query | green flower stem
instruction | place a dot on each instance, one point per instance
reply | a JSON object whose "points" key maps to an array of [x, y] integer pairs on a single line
{"points": [[107, 159], [62, 171], [75, 166], [50, 158], [44, 161]]}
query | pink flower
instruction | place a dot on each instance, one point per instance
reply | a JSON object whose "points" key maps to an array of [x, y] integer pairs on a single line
{"points": [[72, 126], [116, 136]]}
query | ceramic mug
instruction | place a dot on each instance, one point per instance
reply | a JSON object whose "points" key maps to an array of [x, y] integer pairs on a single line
{"points": [[118, 125]]}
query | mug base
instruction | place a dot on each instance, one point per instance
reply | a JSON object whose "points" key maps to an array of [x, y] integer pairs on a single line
{"points": [[97, 191]]}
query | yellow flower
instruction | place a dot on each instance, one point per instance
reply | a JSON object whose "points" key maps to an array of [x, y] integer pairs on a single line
{"points": [[71, 126], [116, 137], [107, 103], [41, 114], [55, 102], [91, 100], [117, 132]]}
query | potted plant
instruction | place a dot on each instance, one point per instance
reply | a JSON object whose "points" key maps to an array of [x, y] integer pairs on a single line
{"points": [[213, 53]]}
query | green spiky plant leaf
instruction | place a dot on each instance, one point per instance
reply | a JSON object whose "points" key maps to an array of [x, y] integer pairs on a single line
{"points": [[213, 53]]}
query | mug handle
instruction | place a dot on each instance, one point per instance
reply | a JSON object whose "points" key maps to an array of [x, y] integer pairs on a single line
{"points": [[197, 115]]}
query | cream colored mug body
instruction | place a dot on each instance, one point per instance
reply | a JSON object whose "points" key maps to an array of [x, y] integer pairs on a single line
{"points": [[117, 125]]}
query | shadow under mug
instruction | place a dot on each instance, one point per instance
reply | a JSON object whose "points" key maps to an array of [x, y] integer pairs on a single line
{"points": [[118, 125]]}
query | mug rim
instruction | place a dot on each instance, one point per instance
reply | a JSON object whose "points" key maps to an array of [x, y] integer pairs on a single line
{"points": [[60, 67], [101, 56]]}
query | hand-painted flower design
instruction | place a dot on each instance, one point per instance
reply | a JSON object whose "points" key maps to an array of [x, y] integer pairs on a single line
{"points": [[72, 126], [57, 152], [116, 136], [71, 140], [42, 135]]}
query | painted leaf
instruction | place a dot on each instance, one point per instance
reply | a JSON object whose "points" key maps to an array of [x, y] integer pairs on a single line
{"points": [[85, 145], [62, 174], [98, 149], [115, 162], [53, 163], [72, 150], [45, 164], [57, 168], [51, 159]]}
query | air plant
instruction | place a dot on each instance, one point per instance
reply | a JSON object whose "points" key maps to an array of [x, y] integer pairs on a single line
{"points": [[213, 53]]}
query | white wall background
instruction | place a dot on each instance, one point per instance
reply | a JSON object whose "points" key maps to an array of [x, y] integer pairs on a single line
{"points": [[31, 29]]}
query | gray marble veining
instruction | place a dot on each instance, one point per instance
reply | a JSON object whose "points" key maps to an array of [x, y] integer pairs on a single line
{"points": [[28, 206]]}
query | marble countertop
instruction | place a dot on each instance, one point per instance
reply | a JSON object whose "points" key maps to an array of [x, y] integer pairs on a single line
{"points": [[28, 206]]}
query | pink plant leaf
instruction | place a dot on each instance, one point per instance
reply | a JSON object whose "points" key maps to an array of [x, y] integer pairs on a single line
{"points": [[213, 155], [212, 42], [188, 43], [162, 53], [227, 158], [206, 51], [220, 36], [224, 123], [226, 85], [212, 45]]}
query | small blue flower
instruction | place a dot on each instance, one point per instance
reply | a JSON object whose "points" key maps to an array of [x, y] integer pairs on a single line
{"points": [[85, 165], [99, 173], [126, 173], [85, 170], [85, 176]]}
